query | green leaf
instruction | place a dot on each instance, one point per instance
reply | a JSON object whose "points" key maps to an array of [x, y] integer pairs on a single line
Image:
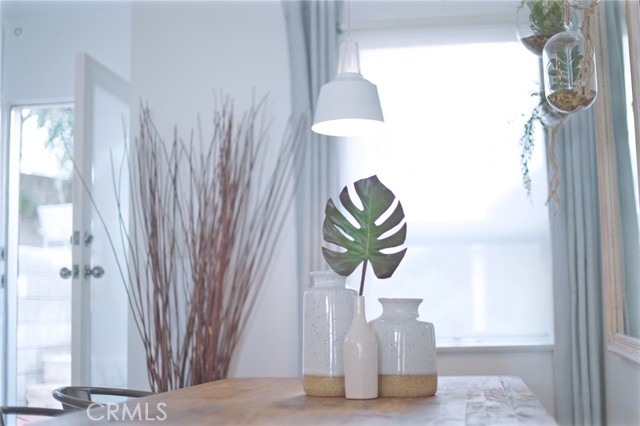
{"points": [[365, 241], [546, 17]]}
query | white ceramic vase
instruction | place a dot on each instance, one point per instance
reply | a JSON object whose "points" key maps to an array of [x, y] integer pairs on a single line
{"points": [[327, 316], [406, 350], [360, 356]]}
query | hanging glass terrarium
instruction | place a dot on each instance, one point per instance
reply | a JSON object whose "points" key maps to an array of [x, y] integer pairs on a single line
{"points": [[570, 66], [538, 21]]}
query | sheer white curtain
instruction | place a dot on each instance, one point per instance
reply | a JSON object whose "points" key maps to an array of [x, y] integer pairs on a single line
{"points": [[312, 32]]}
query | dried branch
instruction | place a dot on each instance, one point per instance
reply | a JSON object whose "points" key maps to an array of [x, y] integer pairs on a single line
{"points": [[205, 221]]}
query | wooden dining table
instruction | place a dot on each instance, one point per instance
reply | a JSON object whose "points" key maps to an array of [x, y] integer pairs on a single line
{"points": [[460, 400]]}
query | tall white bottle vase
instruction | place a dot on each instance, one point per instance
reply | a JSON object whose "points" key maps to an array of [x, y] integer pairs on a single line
{"points": [[360, 356]]}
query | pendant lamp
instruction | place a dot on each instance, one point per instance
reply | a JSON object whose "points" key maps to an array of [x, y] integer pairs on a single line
{"points": [[348, 105]]}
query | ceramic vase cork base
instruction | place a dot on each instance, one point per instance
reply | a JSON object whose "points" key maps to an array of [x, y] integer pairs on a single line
{"points": [[407, 350], [327, 316], [360, 356]]}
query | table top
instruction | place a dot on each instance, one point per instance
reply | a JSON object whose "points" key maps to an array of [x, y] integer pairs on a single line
{"points": [[460, 400]]}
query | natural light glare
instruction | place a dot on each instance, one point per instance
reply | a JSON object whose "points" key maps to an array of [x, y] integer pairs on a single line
{"points": [[36, 158], [438, 89], [478, 246]]}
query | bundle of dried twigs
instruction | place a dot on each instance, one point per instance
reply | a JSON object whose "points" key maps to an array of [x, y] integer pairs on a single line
{"points": [[205, 220]]}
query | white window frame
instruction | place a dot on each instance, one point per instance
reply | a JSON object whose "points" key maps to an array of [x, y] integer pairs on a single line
{"points": [[439, 31]]}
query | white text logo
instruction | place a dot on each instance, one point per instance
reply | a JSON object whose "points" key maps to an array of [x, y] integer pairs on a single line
{"points": [[129, 412]]}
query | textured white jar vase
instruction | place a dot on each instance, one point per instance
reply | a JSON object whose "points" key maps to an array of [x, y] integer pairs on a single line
{"points": [[406, 349], [360, 356], [327, 316]]}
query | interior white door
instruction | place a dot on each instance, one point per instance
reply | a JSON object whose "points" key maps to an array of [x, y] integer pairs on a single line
{"points": [[99, 300]]}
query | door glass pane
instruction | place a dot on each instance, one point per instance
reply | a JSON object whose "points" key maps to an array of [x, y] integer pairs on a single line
{"points": [[45, 222]]}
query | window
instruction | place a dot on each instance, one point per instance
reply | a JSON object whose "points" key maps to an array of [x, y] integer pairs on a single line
{"points": [[478, 246]]}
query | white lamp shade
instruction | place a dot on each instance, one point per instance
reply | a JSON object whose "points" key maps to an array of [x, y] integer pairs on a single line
{"points": [[348, 106]]}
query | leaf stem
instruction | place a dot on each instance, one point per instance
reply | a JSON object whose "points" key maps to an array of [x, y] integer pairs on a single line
{"points": [[364, 271]]}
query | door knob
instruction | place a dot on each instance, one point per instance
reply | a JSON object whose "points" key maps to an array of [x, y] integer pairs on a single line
{"points": [[96, 271], [66, 272]]}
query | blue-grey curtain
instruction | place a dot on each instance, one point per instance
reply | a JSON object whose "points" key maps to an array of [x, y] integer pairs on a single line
{"points": [[575, 240], [579, 322], [312, 33]]}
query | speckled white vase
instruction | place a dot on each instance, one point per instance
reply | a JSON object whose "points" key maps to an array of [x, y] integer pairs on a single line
{"points": [[406, 350], [360, 356], [327, 316]]}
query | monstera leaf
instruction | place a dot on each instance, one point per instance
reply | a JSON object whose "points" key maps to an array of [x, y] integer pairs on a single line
{"points": [[364, 242]]}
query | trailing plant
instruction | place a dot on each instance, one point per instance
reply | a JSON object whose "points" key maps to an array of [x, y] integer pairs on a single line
{"points": [[527, 144], [550, 120], [364, 242]]}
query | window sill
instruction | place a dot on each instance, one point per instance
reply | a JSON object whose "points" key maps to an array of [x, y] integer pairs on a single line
{"points": [[487, 347]]}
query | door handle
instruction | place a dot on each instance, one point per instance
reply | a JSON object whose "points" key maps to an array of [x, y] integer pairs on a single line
{"points": [[96, 271], [66, 272]]}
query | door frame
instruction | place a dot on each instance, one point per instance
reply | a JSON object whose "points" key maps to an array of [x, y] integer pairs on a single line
{"points": [[90, 75]]}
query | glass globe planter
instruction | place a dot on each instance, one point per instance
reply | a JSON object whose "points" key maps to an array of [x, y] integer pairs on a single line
{"points": [[538, 21], [569, 72], [549, 116]]}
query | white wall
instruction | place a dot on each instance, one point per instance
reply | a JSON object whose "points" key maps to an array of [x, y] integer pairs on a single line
{"points": [[39, 52], [183, 52], [622, 384]]}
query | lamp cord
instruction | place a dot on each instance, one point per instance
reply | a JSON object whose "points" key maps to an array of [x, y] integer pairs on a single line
{"points": [[348, 20]]}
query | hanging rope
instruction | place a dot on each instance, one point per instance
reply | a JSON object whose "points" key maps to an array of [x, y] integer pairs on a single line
{"points": [[554, 182]]}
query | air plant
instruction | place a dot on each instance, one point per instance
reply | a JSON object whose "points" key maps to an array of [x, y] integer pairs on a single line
{"points": [[546, 17], [541, 19]]}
